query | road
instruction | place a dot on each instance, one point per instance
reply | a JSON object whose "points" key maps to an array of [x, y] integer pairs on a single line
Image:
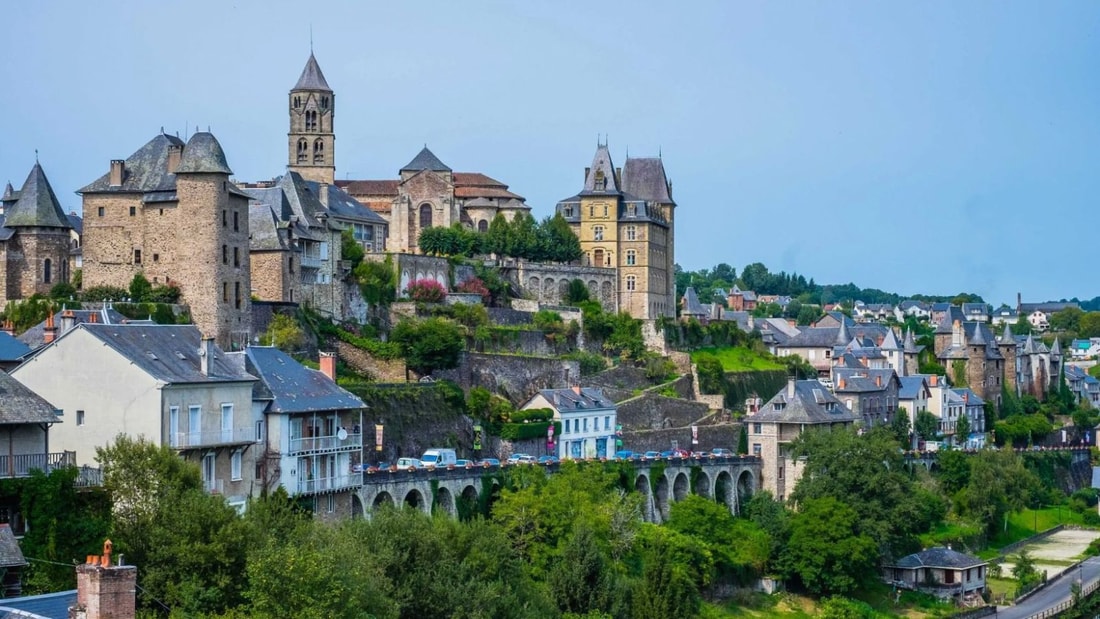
{"points": [[1054, 593]]}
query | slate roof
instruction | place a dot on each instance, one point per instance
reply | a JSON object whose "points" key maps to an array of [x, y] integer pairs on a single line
{"points": [[862, 380], [312, 78], [890, 342], [292, 387], [35, 337], [10, 554], [11, 349], [203, 154], [939, 557], [601, 164], [341, 205], [263, 228], [807, 405], [425, 160], [968, 396], [646, 179], [910, 346], [76, 222], [46, 606], [910, 387], [386, 188], [1048, 307], [974, 309], [146, 169], [37, 205], [169, 353], [692, 307], [827, 337], [569, 401]]}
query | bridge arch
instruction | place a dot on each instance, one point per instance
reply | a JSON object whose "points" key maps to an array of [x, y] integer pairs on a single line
{"points": [[681, 486], [357, 509], [444, 501], [415, 500], [746, 485], [641, 486], [660, 500], [724, 491], [702, 484], [467, 502]]}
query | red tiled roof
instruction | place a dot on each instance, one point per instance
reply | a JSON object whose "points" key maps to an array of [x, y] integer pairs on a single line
{"points": [[484, 192], [369, 188], [476, 178]]}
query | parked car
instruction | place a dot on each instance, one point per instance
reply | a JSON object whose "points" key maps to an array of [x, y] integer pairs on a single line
{"points": [[548, 459], [439, 456], [700, 454], [722, 452], [461, 464], [409, 463], [521, 459], [624, 454], [488, 462], [676, 453], [652, 455]]}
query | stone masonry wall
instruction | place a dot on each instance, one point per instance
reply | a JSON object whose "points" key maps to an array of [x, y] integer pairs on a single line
{"points": [[514, 377], [547, 283], [651, 411], [382, 370], [270, 280], [710, 436]]}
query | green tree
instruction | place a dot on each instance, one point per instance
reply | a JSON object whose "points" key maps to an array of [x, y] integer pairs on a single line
{"points": [[284, 333], [927, 426], [576, 292], [559, 243], [1089, 325], [743, 441], [962, 429], [808, 314], [1025, 573], [63, 292], [189, 546], [28, 312], [740, 547], [901, 428], [429, 344], [827, 551], [1068, 319], [350, 249], [953, 471], [582, 579], [674, 566], [377, 282], [498, 236], [999, 483], [773, 518], [140, 288], [712, 376]]}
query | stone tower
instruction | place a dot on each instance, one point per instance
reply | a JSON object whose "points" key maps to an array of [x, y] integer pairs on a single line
{"points": [[213, 219], [311, 138], [36, 248]]}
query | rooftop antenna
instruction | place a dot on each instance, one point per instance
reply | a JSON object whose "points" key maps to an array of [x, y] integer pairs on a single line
{"points": [[659, 156], [311, 39], [36, 155]]}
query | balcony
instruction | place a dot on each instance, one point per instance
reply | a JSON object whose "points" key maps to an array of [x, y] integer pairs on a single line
{"points": [[196, 440], [310, 262], [316, 444], [330, 484], [213, 486], [22, 465]]}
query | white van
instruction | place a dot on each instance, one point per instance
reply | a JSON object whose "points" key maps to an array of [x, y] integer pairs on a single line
{"points": [[439, 457]]}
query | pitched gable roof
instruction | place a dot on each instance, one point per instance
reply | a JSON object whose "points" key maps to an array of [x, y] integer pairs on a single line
{"points": [[37, 205], [939, 557], [146, 170], [294, 388], [312, 78], [601, 169], [806, 401], [692, 307], [169, 353], [18, 404], [645, 178]]}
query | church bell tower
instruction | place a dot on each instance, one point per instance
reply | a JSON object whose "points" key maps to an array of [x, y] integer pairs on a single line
{"points": [[311, 138]]}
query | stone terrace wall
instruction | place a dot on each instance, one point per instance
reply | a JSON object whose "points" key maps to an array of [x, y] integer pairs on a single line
{"points": [[264, 311], [514, 377], [381, 370], [725, 435], [507, 317], [546, 283], [651, 411]]}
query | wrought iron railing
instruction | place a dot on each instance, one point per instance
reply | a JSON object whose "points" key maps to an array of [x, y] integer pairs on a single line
{"points": [[22, 465], [336, 482], [191, 440], [325, 443]]}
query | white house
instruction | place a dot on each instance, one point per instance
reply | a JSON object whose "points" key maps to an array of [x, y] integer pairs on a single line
{"points": [[588, 420], [163, 382], [913, 396], [939, 571], [1039, 320], [311, 429]]}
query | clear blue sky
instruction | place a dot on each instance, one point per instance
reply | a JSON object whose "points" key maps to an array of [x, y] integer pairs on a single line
{"points": [[912, 146]]}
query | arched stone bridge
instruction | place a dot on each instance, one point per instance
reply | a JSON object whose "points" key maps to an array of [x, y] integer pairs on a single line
{"points": [[728, 480], [1079, 454]]}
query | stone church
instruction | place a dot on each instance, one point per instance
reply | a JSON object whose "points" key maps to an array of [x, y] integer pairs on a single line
{"points": [[625, 220], [35, 241]]}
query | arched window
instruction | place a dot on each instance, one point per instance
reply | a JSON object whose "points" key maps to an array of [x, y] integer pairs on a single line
{"points": [[483, 225], [324, 103], [303, 150], [631, 283], [631, 257], [297, 102], [425, 216], [47, 271], [318, 151], [311, 120]]}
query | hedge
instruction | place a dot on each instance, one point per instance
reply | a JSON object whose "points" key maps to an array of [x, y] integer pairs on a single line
{"points": [[523, 431], [531, 415]]}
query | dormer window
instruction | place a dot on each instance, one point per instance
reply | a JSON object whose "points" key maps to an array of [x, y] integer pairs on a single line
{"points": [[632, 210], [567, 211], [778, 406], [600, 183]]}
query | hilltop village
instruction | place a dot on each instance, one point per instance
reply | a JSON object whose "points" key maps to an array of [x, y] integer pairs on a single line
{"points": [[296, 358]]}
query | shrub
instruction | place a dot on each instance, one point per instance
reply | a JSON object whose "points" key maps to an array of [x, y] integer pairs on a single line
{"points": [[161, 293], [140, 288], [474, 285], [425, 291], [590, 362], [104, 293]]}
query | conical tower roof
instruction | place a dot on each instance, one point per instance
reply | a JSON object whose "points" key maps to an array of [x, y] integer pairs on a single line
{"points": [[910, 345], [312, 78], [978, 339], [890, 342], [8, 191], [1056, 348], [1007, 337], [1029, 345], [602, 170], [842, 337], [37, 204]]}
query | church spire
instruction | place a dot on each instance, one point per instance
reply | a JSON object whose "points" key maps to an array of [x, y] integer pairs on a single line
{"points": [[312, 78]]}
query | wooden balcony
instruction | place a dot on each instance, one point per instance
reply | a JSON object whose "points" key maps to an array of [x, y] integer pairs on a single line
{"points": [[22, 465]]}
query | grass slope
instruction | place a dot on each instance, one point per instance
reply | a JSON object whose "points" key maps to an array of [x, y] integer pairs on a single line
{"points": [[740, 359]]}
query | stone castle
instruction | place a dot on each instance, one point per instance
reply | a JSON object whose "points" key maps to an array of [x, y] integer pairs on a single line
{"points": [[35, 241]]}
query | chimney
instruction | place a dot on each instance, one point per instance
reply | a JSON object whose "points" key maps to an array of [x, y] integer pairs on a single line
{"points": [[840, 384], [933, 380], [328, 365], [104, 591], [324, 195], [51, 330], [956, 333], [206, 355], [878, 380], [175, 152], [576, 389], [93, 317], [68, 320], [586, 172], [9, 327], [790, 388], [118, 170]]}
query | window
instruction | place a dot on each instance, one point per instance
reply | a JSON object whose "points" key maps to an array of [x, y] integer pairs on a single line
{"points": [[225, 292], [756, 449], [237, 294], [318, 151], [425, 216], [137, 256], [236, 256], [47, 271], [600, 182], [632, 233], [631, 283], [324, 102], [194, 424], [303, 147], [260, 431], [779, 473], [607, 422], [225, 254], [565, 427], [330, 503], [227, 423], [235, 466], [79, 418], [236, 222], [173, 426], [133, 211], [156, 257], [324, 250], [632, 210], [100, 211], [290, 265], [631, 257], [225, 218], [567, 211], [585, 424], [757, 428], [597, 233]]}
